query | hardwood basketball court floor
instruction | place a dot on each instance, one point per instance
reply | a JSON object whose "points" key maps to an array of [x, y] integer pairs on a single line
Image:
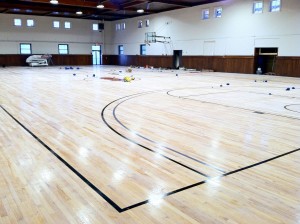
{"points": [[194, 148]]}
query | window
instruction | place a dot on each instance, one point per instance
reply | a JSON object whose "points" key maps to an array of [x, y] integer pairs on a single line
{"points": [[143, 49], [123, 26], [63, 49], [25, 48], [147, 22], [67, 25], [275, 5], [118, 26], [17, 22], [257, 7], [205, 14], [96, 48], [121, 49], [56, 24], [95, 26], [140, 24], [218, 12], [30, 22]]}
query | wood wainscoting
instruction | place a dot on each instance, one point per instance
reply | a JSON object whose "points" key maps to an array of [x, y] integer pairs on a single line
{"points": [[138, 60], [69, 59], [234, 64], [288, 66]]}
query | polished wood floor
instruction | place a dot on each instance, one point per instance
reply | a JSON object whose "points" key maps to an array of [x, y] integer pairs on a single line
{"points": [[164, 148]]}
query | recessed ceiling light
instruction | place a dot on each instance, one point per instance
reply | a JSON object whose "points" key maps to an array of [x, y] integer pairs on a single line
{"points": [[54, 2], [100, 6], [140, 10], [79, 13]]}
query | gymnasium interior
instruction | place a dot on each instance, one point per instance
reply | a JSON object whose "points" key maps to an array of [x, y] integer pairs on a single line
{"points": [[150, 111]]}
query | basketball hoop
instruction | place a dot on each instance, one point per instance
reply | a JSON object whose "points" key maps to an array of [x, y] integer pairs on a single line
{"points": [[151, 37]]}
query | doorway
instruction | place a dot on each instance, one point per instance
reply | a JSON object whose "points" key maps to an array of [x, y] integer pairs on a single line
{"points": [[96, 52], [177, 59], [265, 58]]}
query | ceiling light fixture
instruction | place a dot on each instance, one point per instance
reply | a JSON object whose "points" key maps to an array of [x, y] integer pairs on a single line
{"points": [[140, 10], [54, 2], [79, 13], [100, 6]]}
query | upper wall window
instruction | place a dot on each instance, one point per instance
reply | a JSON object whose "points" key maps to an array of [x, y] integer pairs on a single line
{"points": [[218, 12], [67, 25], [118, 26], [95, 26], [25, 48], [140, 24], [257, 7], [30, 22], [147, 22], [56, 24], [275, 5], [123, 26], [205, 14], [17, 22]]}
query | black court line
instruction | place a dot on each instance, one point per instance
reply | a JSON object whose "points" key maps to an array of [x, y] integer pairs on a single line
{"points": [[286, 107], [201, 94], [105, 197], [100, 193], [258, 112], [290, 97], [209, 179], [142, 146], [113, 204], [224, 105], [155, 142]]}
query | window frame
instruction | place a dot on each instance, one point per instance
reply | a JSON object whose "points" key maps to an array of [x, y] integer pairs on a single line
{"points": [[254, 9], [30, 48], [216, 10], [53, 24], [15, 19], [33, 22], [140, 23], [278, 8], [98, 47], [121, 49], [118, 26], [147, 22], [67, 22], [95, 27], [59, 50], [143, 49], [205, 16], [123, 26]]}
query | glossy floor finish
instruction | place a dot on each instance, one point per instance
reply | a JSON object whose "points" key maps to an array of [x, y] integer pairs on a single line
{"points": [[164, 148]]}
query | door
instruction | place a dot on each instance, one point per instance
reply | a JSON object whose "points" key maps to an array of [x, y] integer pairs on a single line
{"points": [[265, 59], [96, 52], [177, 59]]}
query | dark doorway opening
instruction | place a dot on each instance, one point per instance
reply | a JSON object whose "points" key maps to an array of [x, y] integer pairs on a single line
{"points": [[265, 59], [177, 59]]}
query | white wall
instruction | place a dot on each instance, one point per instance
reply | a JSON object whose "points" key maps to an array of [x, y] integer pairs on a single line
{"points": [[238, 32], [45, 39]]}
